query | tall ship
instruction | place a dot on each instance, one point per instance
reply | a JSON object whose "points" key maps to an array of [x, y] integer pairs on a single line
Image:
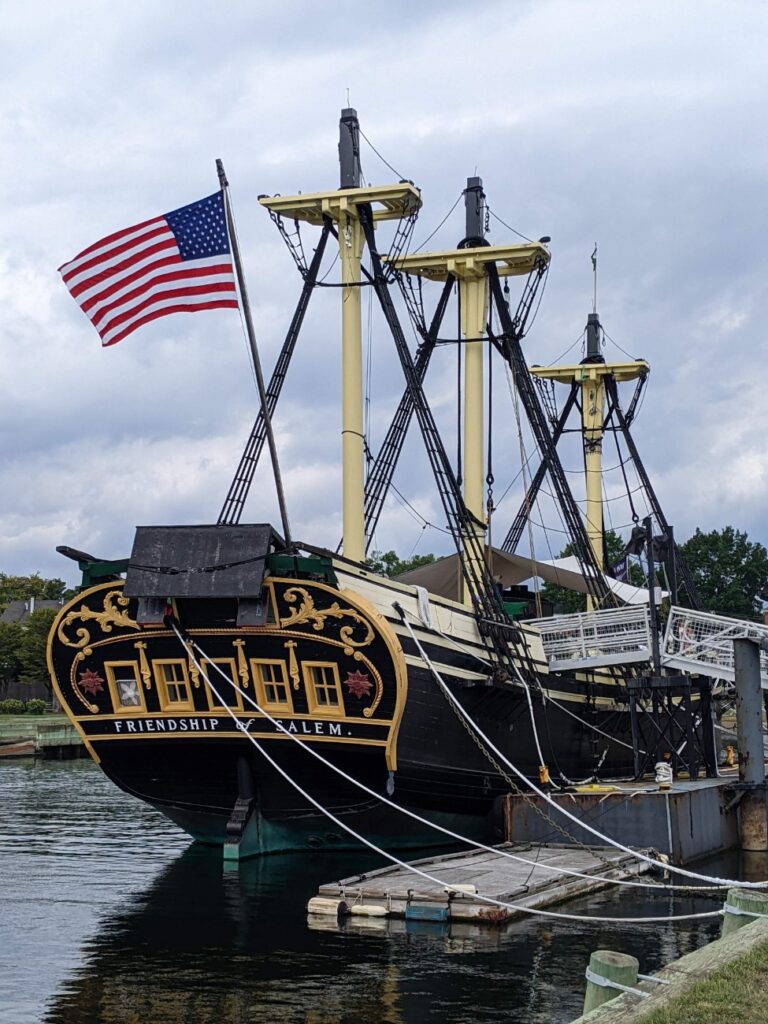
{"points": [[202, 671]]}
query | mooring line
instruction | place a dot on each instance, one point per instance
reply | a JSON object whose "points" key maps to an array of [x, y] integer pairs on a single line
{"points": [[718, 882], [533, 911], [659, 886]]}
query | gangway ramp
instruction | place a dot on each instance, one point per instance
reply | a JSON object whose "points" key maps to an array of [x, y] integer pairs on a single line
{"points": [[586, 640], [694, 642], [702, 643]]}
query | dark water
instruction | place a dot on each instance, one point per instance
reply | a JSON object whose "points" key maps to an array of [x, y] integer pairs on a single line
{"points": [[108, 915]]}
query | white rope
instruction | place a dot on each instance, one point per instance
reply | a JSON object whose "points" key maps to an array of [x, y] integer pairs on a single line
{"points": [[534, 911], [601, 982], [658, 886], [445, 636], [720, 882]]}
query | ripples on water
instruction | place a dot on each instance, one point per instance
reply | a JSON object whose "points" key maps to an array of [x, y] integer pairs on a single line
{"points": [[109, 916]]}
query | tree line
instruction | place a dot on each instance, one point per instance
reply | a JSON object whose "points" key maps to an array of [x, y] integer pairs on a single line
{"points": [[23, 644], [730, 572]]}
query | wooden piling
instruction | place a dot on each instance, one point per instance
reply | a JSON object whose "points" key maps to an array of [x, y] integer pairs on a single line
{"points": [[747, 905], [617, 967], [753, 815]]}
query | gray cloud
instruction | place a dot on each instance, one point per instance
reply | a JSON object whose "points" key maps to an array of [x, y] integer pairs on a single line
{"points": [[640, 126]]}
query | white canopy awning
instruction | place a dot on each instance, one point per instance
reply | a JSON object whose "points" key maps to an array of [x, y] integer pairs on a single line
{"points": [[442, 577]]}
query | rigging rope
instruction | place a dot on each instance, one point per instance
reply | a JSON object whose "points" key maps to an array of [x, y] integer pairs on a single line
{"points": [[383, 799], [720, 882]]}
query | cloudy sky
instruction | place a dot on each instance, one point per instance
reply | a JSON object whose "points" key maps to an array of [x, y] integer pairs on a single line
{"points": [[641, 126]]}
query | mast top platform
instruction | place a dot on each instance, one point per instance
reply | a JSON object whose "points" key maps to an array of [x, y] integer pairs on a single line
{"points": [[581, 372], [388, 202], [470, 264]]}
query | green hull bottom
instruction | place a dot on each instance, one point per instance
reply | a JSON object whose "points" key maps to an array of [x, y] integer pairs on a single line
{"points": [[389, 831]]}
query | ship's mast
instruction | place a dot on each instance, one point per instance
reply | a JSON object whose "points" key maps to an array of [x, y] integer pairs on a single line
{"points": [[590, 375], [340, 207], [473, 296], [468, 264], [352, 429]]}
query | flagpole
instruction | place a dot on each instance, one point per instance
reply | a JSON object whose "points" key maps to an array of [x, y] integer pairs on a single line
{"points": [[254, 353]]}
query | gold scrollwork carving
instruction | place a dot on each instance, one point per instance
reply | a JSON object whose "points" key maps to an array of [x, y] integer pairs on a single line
{"points": [[293, 665], [144, 669], [307, 612], [242, 664], [79, 658], [107, 618]]}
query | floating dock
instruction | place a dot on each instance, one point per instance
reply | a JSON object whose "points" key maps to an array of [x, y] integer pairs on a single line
{"points": [[693, 819], [398, 893]]}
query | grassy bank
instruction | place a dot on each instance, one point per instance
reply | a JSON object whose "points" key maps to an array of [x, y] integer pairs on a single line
{"points": [[26, 726], [736, 992]]}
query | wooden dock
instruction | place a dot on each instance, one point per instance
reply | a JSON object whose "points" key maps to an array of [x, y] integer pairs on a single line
{"points": [[50, 736], [397, 892]]}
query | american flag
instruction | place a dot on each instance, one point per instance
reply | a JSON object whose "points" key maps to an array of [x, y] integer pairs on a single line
{"points": [[177, 263]]}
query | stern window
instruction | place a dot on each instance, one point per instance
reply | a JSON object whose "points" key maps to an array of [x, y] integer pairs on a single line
{"points": [[224, 687], [272, 690], [172, 680], [323, 687], [125, 686]]}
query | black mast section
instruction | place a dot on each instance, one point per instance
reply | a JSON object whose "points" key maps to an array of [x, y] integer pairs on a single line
{"points": [[518, 523], [232, 509], [383, 468], [510, 348]]}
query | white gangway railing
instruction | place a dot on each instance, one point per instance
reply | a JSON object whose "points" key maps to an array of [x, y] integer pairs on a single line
{"points": [[702, 642], [614, 636]]}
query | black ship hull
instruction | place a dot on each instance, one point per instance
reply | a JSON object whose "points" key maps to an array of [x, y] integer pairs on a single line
{"points": [[345, 679]]}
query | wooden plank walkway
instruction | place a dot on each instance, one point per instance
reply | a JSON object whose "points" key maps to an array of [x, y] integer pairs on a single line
{"points": [[396, 892]]}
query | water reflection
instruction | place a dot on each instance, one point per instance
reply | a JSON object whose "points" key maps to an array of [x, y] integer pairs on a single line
{"points": [[125, 940]]}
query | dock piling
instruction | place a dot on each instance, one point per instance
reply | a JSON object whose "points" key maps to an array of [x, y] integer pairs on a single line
{"points": [[606, 969], [753, 819], [743, 906]]}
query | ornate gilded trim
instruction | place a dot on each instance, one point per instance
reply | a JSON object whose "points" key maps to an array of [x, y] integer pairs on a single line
{"points": [[144, 669], [107, 618], [293, 665], [307, 612], [78, 660], [242, 664]]}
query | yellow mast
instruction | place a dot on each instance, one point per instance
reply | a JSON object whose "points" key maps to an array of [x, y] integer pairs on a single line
{"points": [[473, 296], [469, 266], [388, 202], [590, 375]]}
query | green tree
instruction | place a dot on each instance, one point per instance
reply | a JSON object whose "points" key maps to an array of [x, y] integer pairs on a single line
{"points": [[11, 634], [20, 588], [566, 601], [729, 571], [387, 563], [32, 648]]}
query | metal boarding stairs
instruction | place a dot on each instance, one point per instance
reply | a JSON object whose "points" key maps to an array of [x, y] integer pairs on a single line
{"points": [[697, 643]]}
